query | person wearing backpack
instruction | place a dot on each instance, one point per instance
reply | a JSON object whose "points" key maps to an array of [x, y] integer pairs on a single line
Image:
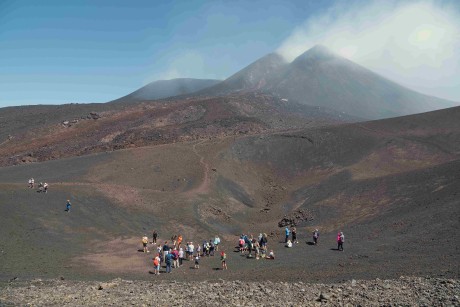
{"points": [[286, 231]]}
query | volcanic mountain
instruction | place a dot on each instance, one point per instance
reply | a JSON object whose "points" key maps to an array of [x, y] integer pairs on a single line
{"points": [[271, 146], [167, 88], [321, 78], [390, 185], [254, 77]]}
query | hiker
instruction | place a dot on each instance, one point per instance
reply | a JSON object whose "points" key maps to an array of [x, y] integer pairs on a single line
{"points": [[211, 248], [223, 259], [179, 241], [165, 250], [174, 240], [175, 257], [206, 248], [315, 236], [257, 249], [264, 241], [271, 256], [155, 236], [340, 240], [181, 256], [191, 249], [168, 260], [198, 249], [241, 244], [249, 247], [294, 235], [216, 243], [45, 187], [156, 264], [145, 240], [263, 252], [288, 244], [287, 234], [40, 187], [31, 183], [67, 206], [197, 261]]}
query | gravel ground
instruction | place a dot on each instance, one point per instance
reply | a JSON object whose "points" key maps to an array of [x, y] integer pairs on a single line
{"points": [[405, 291]]}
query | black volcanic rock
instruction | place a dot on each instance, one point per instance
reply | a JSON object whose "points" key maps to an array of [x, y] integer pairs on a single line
{"points": [[168, 88]]}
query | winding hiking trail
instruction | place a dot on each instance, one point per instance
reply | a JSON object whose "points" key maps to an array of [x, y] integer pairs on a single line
{"points": [[203, 188]]}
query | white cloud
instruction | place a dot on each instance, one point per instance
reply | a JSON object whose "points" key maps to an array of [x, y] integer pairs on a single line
{"points": [[415, 44]]}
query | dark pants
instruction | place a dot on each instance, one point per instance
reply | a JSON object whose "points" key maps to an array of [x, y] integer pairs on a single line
{"points": [[168, 267], [180, 261], [154, 239], [340, 246], [294, 237], [287, 238]]}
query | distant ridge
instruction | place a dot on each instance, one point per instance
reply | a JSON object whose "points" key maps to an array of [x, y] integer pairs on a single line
{"points": [[167, 88]]}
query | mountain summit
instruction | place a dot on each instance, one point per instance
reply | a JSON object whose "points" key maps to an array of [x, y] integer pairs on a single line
{"points": [[315, 54], [319, 77], [255, 76]]}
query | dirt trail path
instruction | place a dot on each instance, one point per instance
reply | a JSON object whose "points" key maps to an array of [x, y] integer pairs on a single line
{"points": [[203, 188]]}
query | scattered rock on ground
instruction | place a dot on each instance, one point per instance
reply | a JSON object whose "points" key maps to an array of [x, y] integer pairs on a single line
{"points": [[406, 291]]}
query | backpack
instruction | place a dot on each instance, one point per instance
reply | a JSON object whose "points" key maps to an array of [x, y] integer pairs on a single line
{"points": [[155, 262]]}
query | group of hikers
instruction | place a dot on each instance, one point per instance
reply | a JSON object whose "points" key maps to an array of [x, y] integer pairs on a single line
{"points": [[173, 253], [42, 187], [248, 244], [293, 232]]}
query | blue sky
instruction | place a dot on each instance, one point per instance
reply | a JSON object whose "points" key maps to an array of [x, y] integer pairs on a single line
{"points": [[54, 52]]}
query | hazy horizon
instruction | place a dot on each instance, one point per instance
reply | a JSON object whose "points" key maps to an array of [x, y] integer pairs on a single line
{"points": [[56, 53]]}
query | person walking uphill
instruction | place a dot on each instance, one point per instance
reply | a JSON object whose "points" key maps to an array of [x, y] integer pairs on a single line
{"points": [[315, 236], [287, 234], [154, 237], [67, 206], [340, 241]]}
